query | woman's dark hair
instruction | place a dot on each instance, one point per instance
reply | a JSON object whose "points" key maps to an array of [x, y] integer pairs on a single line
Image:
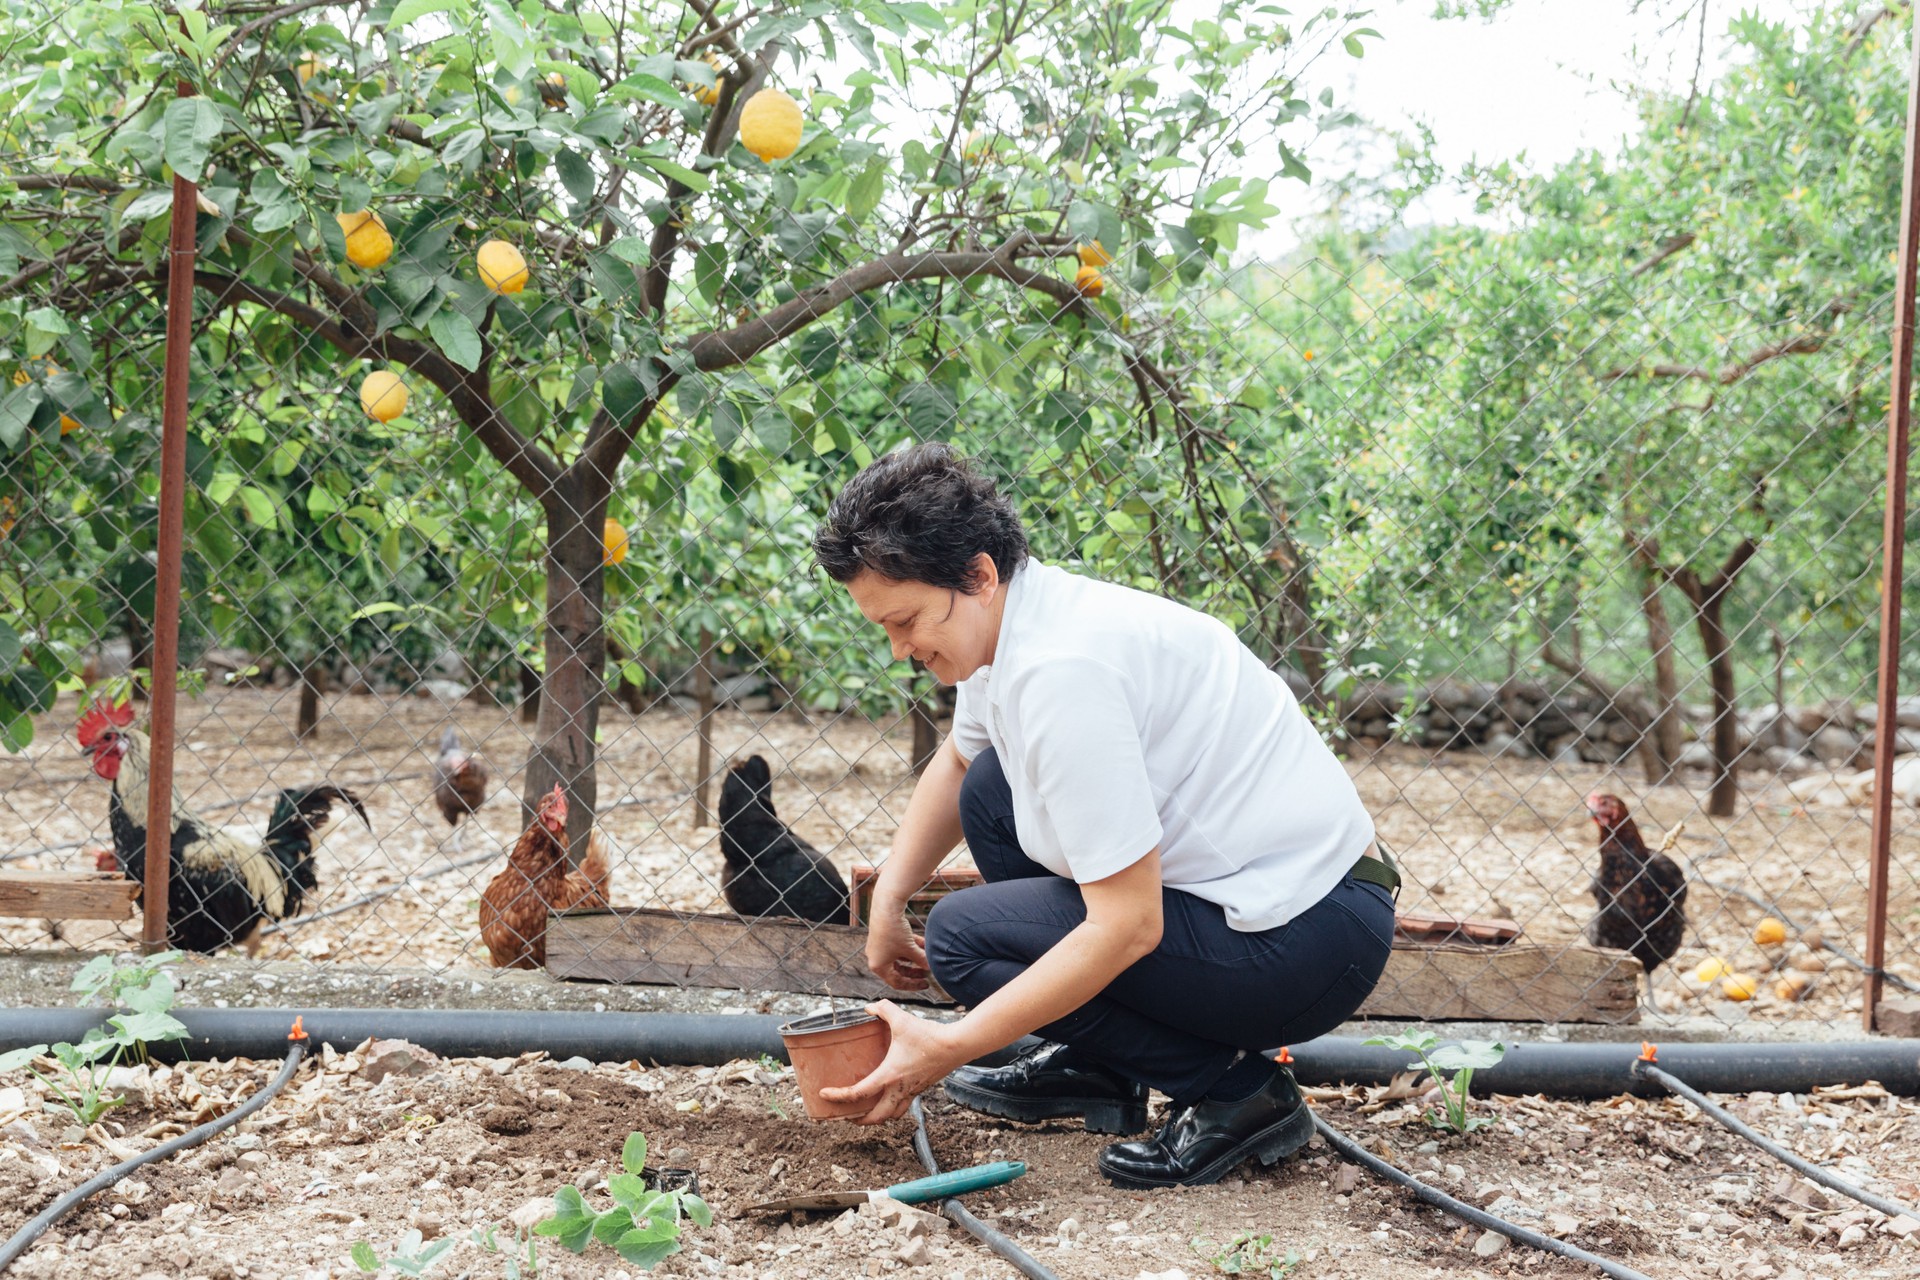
{"points": [[920, 514]]}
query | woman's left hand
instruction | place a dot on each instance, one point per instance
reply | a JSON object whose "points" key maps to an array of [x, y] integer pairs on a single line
{"points": [[921, 1055]]}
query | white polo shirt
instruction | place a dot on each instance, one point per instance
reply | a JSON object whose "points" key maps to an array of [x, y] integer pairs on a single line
{"points": [[1125, 721]]}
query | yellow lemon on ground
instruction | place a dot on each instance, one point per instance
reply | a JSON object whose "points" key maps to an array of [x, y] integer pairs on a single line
{"points": [[1710, 968], [770, 125], [1737, 986], [383, 395], [1094, 254], [368, 243], [1792, 986], [1770, 932], [1089, 282], [502, 269], [613, 538]]}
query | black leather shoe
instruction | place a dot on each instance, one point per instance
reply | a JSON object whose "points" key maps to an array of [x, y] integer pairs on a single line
{"points": [[1049, 1083], [1204, 1142]]}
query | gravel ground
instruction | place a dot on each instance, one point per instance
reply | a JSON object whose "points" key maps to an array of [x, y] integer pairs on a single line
{"points": [[370, 1144]]}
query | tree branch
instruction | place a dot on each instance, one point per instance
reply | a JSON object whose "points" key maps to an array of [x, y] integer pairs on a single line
{"points": [[1668, 247], [1799, 345]]}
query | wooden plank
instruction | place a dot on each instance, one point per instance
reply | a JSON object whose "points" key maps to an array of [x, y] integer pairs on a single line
{"points": [[1575, 983], [1513, 983], [67, 895]]}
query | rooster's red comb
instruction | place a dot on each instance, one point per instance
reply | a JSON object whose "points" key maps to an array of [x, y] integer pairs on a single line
{"points": [[99, 718]]}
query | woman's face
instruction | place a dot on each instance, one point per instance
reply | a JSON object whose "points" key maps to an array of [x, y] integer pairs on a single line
{"points": [[951, 632]]}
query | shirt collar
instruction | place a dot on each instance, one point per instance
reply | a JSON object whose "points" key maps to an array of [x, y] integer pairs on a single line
{"points": [[1019, 602]]}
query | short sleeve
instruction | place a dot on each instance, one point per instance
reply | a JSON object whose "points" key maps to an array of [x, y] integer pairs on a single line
{"points": [[1084, 761], [969, 733]]}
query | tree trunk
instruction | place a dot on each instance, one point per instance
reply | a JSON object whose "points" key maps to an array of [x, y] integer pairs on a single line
{"points": [[576, 652], [1724, 725], [529, 694], [703, 692], [313, 683], [1667, 729], [1298, 631]]}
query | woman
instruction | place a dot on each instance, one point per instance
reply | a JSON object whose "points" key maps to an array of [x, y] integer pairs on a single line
{"points": [[1179, 874]]}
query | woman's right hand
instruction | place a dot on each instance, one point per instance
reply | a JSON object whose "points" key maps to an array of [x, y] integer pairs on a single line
{"points": [[894, 954]]}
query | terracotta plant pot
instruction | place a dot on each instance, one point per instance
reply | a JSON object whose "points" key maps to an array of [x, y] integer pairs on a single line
{"points": [[831, 1051]]}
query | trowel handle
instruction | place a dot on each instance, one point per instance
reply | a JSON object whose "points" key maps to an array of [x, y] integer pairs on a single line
{"points": [[957, 1182]]}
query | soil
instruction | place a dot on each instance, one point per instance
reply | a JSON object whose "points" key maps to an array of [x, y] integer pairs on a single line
{"points": [[370, 1144], [1474, 834]]}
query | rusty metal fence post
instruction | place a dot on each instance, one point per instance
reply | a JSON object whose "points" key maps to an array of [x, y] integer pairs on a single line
{"points": [[1899, 419], [162, 679]]}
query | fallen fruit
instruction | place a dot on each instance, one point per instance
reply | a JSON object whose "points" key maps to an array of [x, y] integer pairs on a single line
{"points": [[1737, 986], [502, 268], [383, 395], [1792, 986], [1770, 932], [1710, 968], [1089, 282], [613, 538], [369, 244], [770, 125]]}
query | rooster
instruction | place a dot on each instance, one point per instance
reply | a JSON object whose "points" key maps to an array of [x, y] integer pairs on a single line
{"points": [[769, 870], [222, 885], [513, 910], [461, 781], [1642, 894]]}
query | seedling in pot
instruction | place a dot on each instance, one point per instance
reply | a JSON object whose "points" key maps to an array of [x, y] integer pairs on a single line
{"points": [[1462, 1060]]}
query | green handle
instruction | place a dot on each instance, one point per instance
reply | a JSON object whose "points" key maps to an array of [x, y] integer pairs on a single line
{"points": [[957, 1182]]}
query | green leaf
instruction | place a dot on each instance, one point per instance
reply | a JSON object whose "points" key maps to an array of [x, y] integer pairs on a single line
{"points": [[375, 610], [456, 337], [624, 387], [572, 1222], [633, 1154], [364, 1257], [773, 429], [14, 1059], [607, 122], [1468, 1055], [189, 128], [16, 413], [630, 249], [643, 1252], [9, 644], [260, 506], [646, 88], [678, 172], [710, 270], [1083, 219], [726, 422], [408, 10], [696, 1208], [863, 196], [151, 1027], [576, 175]]}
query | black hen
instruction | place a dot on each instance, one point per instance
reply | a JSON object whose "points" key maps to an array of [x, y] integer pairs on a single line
{"points": [[770, 871], [1642, 894]]}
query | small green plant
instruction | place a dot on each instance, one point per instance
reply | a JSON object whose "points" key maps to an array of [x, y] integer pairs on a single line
{"points": [[643, 1226], [775, 1068], [412, 1255], [1248, 1255], [143, 985], [483, 1239], [1462, 1060]]}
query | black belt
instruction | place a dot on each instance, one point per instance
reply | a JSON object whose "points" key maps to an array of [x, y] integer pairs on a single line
{"points": [[1380, 870]]}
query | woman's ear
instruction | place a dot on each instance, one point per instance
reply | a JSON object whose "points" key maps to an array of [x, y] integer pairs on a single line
{"points": [[985, 574]]}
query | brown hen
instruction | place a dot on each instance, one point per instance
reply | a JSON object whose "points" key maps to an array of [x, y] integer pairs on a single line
{"points": [[460, 785], [513, 910], [1642, 894]]}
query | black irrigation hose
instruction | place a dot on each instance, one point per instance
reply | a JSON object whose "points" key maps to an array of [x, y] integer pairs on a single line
{"points": [[1351, 1150], [1892, 1208], [1023, 1262], [23, 1239]]}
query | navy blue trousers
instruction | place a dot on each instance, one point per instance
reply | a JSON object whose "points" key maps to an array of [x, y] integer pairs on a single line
{"points": [[1177, 1019]]}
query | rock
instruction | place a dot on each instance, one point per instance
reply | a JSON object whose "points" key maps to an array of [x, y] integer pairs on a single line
{"points": [[1489, 1243], [908, 1220], [1902, 1226], [396, 1058], [365, 1178], [130, 1191], [1068, 1228], [1834, 746], [1345, 1179], [250, 1161], [914, 1253], [1563, 1224], [1119, 1226], [1898, 1016], [179, 1211], [532, 1213], [1852, 1236]]}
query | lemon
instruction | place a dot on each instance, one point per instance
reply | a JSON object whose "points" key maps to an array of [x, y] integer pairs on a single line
{"points": [[1710, 968], [1089, 282], [502, 269], [770, 125], [613, 538], [1094, 254], [307, 70], [1737, 986], [68, 423], [1792, 986], [708, 94], [1770, 932], [383, 395], [368, 243]]}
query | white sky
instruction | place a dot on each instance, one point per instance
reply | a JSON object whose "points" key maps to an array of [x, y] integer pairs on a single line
{"points": [[1544, 78]]}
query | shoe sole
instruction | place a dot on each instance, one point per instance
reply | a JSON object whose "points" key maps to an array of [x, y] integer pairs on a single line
{"points": [[1102, 1115], [1270, 1146]]}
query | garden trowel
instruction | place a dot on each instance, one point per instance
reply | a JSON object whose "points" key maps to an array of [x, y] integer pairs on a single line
{"points": [[941, 1185]]}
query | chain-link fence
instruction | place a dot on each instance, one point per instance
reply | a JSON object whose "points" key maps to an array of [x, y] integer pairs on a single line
{"points": [[519, 381]]}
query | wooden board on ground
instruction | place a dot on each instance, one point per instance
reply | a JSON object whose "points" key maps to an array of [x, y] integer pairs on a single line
{"points": [[67, 895], [1514, 983]]}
